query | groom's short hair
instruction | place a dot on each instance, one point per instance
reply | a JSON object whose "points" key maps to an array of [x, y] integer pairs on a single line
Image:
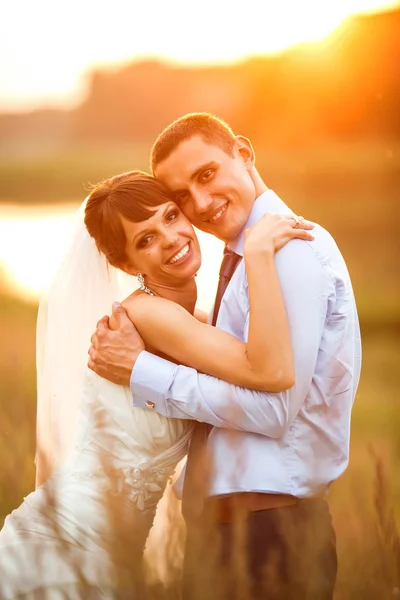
{"points": [[209, 127]]}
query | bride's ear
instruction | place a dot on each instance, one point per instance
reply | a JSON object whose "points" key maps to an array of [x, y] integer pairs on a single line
{"points": [[128, 268]]}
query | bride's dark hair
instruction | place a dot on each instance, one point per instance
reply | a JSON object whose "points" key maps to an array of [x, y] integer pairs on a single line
{"points": [[135, 195]]}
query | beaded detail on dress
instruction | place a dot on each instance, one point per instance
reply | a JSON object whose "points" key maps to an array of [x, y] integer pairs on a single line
{"points": [[145, 483]]}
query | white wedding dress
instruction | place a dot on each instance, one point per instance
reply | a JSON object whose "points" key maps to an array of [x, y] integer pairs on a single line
{"points": [[64, 524], [81, 533]]}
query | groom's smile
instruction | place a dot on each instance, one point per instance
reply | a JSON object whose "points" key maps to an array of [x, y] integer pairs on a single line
{"points": [[220, 212]]}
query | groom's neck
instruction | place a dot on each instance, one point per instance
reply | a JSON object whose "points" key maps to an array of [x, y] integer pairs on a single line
{"points": [[259, 185]]}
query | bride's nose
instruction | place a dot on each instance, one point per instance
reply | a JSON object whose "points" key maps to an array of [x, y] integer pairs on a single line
{"points": [[169, 238]]}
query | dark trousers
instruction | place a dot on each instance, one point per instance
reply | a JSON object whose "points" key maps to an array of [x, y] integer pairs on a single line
{"points": [[286, 553]]}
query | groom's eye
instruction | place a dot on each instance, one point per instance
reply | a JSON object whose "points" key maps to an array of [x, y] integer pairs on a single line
{"points": [[206, 176], [180, 197]]}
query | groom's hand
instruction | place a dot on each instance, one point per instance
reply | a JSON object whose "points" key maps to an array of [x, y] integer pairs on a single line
{"points": [[114, 351]]}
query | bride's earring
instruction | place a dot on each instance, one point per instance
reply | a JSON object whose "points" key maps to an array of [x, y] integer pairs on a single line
{"points": [[140, 279], [142, 285]]}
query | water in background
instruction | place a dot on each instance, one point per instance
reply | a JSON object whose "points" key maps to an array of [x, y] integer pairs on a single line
{"points": [[33, 240]]}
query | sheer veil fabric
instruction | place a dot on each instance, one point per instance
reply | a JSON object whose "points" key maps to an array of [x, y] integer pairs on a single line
{"points": [[116, 460], [81, 292]]}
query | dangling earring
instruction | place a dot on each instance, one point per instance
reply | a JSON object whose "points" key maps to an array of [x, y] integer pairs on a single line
{"points": [[142, 286], [140, 279]]}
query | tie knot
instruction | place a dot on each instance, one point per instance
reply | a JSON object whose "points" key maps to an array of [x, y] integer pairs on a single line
{"points": [[229, 263]]}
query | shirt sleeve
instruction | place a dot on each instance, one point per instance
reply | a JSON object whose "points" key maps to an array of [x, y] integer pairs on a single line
{"points": [[181, 392]]}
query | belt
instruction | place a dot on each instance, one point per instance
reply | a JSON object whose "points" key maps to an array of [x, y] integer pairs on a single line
{"points": [[226, 508]]}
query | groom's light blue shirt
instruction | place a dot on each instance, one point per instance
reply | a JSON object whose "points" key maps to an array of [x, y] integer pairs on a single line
{"points": [[295, 442]]}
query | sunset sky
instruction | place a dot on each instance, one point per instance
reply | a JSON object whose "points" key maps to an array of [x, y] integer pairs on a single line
{"points": [[47, 47]]}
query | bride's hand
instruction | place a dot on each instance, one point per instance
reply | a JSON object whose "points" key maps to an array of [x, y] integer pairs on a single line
{"points": [[273, 231]]}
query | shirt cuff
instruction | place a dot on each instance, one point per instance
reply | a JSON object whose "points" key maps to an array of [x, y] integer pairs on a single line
{"points": [[150, 381]]}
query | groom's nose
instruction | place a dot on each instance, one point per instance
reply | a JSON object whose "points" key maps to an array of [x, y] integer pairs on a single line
{"points": [[202, 201]]}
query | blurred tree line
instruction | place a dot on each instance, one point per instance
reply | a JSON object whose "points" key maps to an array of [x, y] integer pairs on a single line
{"points": [[346, 87]]}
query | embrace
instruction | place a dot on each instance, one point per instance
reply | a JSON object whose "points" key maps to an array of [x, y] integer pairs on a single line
{"points": [[258, 394]]}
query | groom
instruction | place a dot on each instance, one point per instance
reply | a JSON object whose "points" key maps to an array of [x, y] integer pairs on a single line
{"points": [[274, 455]]}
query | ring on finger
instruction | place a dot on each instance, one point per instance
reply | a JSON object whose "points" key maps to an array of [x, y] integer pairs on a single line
{"points": [[296, 221]]}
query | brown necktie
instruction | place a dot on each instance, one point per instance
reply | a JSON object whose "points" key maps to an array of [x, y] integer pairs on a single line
{"points": [[228, 266], [196, 474]]}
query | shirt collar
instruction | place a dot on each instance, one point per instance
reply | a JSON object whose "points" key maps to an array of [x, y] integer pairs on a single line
{"points": [[268, 202]]}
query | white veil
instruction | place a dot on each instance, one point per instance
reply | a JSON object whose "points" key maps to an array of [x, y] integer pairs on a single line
{"points": [[81, 292]]}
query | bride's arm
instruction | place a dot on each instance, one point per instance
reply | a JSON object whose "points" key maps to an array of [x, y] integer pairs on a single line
{"points": [[201, 315], [265, 362]]}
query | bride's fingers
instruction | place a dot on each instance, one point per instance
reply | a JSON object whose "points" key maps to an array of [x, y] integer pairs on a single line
{"points": [[306, 224], [298, 222], [302, 234]]}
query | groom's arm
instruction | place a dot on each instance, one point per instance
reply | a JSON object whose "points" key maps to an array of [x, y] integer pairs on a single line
{"points": [[181, 392]]}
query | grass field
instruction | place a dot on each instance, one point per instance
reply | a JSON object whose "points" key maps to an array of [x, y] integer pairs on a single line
{"points": [[364, 556]]}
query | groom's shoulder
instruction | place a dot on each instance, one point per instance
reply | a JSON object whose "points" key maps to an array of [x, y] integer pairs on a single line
{"points": [[322, 253], [323, 250], [325, 246]]}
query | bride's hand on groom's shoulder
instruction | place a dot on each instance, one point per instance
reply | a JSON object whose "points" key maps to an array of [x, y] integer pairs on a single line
{"points": [[115, 346], [273, 231]]}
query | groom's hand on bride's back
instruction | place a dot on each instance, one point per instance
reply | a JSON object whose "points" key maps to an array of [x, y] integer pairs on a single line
{"points": [[116, 344]]}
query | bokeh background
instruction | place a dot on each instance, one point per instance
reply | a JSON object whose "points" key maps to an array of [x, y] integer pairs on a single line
{"points": [[85, 88]]}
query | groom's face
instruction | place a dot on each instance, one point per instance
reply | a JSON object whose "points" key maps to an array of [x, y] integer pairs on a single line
{"points": [[213, 190]]}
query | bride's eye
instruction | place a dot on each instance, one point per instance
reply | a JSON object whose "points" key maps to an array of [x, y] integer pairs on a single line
{"points": [[145, 241], [172, 215]]}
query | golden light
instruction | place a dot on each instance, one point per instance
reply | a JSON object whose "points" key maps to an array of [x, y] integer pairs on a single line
{"points": [[33, 240], [31, 244], [49, 51], [48, 48]]}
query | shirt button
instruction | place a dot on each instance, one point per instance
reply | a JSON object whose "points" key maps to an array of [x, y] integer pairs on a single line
{"points": [[150, 404]]}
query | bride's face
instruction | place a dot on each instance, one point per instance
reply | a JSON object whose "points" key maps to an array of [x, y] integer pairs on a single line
{"points": [[164, 247]]}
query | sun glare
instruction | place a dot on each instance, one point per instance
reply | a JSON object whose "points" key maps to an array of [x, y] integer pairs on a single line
{"points": [[25, 239], [27, 266], [49, 52]]}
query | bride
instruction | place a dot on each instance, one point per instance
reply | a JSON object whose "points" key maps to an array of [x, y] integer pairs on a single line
{"points": [[102, 464]]}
